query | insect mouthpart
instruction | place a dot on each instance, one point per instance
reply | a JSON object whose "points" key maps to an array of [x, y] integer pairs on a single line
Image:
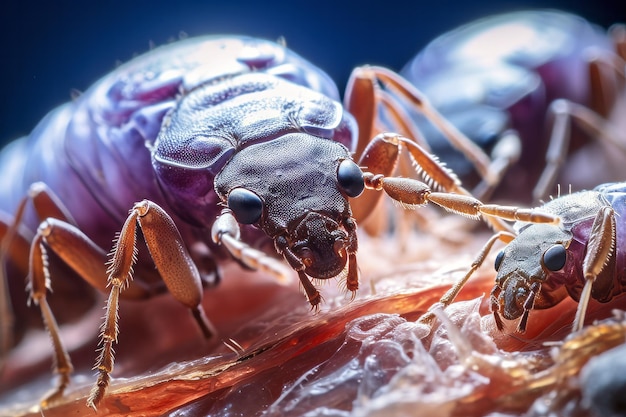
{"points": [[321, 244], [514, 298]]}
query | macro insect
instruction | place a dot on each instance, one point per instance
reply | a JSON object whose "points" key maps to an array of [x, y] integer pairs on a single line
{"points": [[222, 148], [524, 86], [580, 256]]}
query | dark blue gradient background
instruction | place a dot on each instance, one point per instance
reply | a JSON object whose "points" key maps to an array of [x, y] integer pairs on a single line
{"points": [[50, 48]]}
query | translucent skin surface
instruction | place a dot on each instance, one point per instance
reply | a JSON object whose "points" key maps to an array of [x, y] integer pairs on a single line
{"points": [[361, 358]]}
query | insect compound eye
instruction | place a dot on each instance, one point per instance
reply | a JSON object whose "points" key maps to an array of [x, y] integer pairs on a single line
{"points": [[554, 258], [499, 258], [350, 178], [246, 205]]}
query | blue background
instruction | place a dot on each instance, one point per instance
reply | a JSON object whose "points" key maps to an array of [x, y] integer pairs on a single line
{"points": [[50, 49]]}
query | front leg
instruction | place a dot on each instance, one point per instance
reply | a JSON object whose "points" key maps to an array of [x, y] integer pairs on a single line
{"points": [[454, 291], [313, 296], [175, 266], [600, 249], [226, 232]]}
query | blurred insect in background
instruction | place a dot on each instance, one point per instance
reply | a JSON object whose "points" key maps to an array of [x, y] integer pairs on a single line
{"points": [[531, 89], [222, 148], [523, 85]]}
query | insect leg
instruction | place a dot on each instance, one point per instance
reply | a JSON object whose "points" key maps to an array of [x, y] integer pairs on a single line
{"points": [[564, 113], [607, 79], [504, 155], [225, 231], [381, 158], [452, 293], [175, 266], [366, 100], [15, 246], [406, 90], [411, 192], [84, 257], [47, 205], [39, 284], [360, 101], [600, 248]]}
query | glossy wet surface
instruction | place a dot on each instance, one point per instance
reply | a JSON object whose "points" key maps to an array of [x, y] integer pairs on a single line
{"points": [[366, 357]]}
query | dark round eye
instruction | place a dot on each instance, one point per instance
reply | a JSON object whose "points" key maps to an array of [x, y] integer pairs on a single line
{"points": [[246, 205], [350, 178], [554, 258], [499, 258]]}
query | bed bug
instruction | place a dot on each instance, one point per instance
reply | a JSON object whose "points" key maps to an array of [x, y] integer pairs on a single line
{"points": [[542, 264], [222, 148], [521, 85]]}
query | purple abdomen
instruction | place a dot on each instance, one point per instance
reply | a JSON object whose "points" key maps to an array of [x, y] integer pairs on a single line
{"points": [[578, 212]]}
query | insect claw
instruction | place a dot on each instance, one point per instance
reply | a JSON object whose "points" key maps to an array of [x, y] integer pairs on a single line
{"points": [[315, 302], [521, 327], [315, 307], [498, 320]]}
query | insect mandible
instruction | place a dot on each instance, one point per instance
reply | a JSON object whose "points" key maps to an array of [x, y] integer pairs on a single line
{"points": [[222, 148], [581, 257], [523, 86]]}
